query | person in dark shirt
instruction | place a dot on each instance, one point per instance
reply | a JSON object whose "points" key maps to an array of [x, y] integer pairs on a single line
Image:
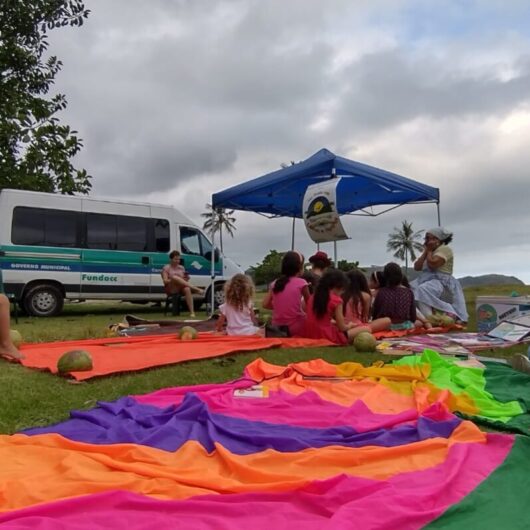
{"points": [[394, 300]]}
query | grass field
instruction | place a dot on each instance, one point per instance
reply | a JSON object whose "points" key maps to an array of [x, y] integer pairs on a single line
{"points": [[31, 398]]}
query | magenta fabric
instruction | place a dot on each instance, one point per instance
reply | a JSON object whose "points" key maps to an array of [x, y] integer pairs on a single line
{"points": [[287, 307], [323, 328], [175, 395], [307, 409], [409, 500]]}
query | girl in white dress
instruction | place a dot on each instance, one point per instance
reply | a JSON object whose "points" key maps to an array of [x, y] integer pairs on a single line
{"points": [[238, 310]]}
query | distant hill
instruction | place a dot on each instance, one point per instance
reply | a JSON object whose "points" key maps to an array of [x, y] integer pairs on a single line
{"points": [[489, 279], [466, 281]]}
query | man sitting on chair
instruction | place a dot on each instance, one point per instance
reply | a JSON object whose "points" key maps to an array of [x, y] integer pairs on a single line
{"points": [[175, 280]]}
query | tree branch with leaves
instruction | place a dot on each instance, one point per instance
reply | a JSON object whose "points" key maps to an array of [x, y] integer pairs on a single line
{"points": [[35, 148]]}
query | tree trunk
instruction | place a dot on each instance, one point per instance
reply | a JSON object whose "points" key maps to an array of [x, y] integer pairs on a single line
{"points": [[406, 262], [221, 237]]}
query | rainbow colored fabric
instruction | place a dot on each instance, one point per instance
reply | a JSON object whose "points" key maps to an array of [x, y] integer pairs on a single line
{"points": [[323, 447]]}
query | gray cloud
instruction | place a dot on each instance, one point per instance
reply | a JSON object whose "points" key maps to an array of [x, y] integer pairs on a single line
{"points": [[387, 88], [175, 100]]}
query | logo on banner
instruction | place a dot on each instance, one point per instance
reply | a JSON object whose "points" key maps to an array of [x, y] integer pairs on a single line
{"points": [[321, 218]]}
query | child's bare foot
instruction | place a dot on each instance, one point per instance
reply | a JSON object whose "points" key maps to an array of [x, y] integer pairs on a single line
{"points": [[10, 352]]}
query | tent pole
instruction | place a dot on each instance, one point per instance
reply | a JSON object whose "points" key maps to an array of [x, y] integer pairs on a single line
{"points": [[438, 211], [335, 252], [292, 235], [212, 276]]}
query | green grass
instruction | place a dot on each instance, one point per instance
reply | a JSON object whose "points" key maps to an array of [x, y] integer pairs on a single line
{"points": [[31, 398]]}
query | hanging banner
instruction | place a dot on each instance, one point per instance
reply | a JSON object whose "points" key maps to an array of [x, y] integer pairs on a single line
{"points": [[322, 220]]}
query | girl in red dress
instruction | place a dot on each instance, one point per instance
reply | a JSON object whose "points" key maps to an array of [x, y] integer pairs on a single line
{"points": [[325, 316]]}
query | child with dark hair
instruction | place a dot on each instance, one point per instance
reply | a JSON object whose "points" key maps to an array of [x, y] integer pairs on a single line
{"points": [[238, 309], [325, 313], [395, 301], [376, 281], [320, 262], [285, 295], [358, 301]]}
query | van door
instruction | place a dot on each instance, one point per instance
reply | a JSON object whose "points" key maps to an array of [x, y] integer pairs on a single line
{"points": [[196, 252], [160, 256], [116, 263]]}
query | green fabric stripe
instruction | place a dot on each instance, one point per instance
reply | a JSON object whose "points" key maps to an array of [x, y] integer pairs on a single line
{"points": [[501, 501], [447, 375], [506, 384]]}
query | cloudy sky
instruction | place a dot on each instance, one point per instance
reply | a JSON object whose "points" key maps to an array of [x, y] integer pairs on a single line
{"points": [[177, 99]]}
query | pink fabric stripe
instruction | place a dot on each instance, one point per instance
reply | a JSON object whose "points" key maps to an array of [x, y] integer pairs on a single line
{"points": [[409, 501], [305, 410]]}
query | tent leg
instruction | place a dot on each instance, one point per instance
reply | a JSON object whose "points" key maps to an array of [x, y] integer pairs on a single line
{"points": [[438, 211], [335, 252], [292, 235], [212, 278]]}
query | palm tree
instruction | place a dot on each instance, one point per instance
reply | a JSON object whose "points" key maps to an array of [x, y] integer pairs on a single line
{"points": [[216, 219], [404, 241]]}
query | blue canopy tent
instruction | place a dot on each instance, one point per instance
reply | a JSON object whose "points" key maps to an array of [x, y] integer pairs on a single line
{"points": [[281, 193]]}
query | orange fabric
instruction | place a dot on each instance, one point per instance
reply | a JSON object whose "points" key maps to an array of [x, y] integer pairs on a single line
{"points": [[48, 467], [125, 354], [384, 389], [294, 379]]}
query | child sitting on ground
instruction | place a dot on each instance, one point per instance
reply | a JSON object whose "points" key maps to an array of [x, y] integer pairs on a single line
{"points": [[358, 301], [325, 314], [376, 281], [419, 315], [238, 310], [395, 301], [285, 295]]}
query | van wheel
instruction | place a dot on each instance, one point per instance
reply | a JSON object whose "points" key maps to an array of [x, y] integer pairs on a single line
{"points": [[44, 300], [218, 296]]}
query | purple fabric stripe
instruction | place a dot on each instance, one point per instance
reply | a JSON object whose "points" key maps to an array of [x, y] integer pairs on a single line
{"points": [[126, 421], [410, 500]]}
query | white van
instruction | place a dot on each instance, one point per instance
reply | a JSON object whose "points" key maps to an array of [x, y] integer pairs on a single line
{"points": [[57, 247]]}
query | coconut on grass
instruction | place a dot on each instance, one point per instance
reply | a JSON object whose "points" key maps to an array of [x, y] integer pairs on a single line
{"points": [[187, 333], [74, 361], [365, 342], [16, 338]]}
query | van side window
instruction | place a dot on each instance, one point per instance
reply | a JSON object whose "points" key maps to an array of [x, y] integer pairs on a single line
{"points": [[161, 235], [116, 232], [101, 231], [132, 234], [44, 227]]}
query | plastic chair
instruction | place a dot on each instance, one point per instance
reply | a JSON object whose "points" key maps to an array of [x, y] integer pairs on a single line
{"points": [[172, 300]]}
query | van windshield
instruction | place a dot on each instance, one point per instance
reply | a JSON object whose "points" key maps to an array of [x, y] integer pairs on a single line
{"points": [[193, 241]]}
